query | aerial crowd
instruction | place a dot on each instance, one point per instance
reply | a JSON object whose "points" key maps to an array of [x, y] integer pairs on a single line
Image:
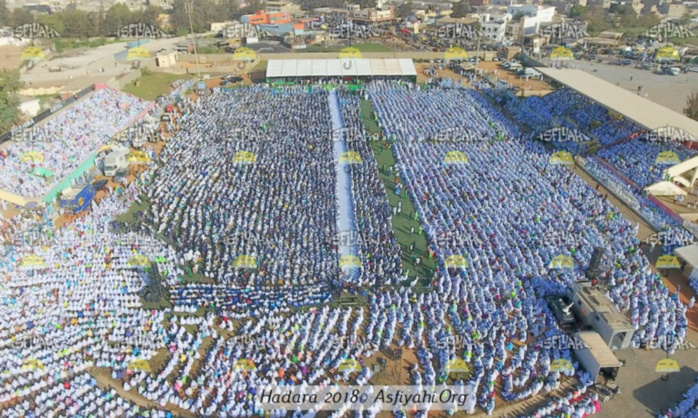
{"points": [[238, 226]]}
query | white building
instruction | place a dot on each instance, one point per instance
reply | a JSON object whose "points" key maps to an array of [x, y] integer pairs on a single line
{"points": [[493, 27], [533, 17], [30, 106]]}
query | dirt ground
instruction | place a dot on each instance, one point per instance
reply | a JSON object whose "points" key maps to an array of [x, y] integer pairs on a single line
{"points": [[10, 57], [490, 67]]}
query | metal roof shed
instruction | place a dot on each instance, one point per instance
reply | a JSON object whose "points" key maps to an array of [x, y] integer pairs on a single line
{"points": [[378, 67], [596, 357]]}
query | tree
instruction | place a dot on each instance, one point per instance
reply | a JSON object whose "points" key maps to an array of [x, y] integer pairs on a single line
{"points": [[203, 13], [117, 17], [577, 10], [4, 14], [20, 17], [405, 9], [10, 82], [596, 18], [461, 8], [365, 4], [53, 21], [78, 24], [517, 17], [691, 109]]}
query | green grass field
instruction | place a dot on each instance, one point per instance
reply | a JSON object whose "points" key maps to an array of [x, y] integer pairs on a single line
{"points": [[402, 223], [154, 85]]}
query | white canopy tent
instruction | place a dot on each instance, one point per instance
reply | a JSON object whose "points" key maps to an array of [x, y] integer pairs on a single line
{"points": [[665, 188], [344, 67], [677, 172]]}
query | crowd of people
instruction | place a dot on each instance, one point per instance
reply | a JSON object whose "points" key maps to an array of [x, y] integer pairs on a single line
{"points": [[687, 408], [66, 141], [239, 224]]}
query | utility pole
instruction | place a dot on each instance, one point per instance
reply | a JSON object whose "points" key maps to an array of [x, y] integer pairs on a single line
{"points": [[189, 8]]}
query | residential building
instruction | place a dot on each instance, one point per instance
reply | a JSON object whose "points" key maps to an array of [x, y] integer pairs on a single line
{"points": [[280, 6], [493, 27], [260, 17], [374, 15]]}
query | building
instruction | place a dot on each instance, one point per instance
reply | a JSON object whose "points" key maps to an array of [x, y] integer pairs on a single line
{"points": [[347, 69], [672, 10], [280, 6], [219, 26], [493, 27], [30, 106], [599, 312], [532, 17], [374, 15], [260, 17], [479, 3], [167, 59]]}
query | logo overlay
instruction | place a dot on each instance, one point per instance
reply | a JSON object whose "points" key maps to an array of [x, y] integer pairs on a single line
{"points": [[561, 54], [561, 262], [139, 30], [455, 261], [360, 398], [566, 30], [350, 157], [32, 157], [245, 262], [561, 365], [35, 31], [244, 157], [563, 134], [455, 53], [668, 30], [32, 53], [455, 157], [349, 52], [561, 157], [243, 56], [669, 134], [350, 261], [32, 261], [667, 157], [457, 365], [667, 261], [349, 365], [138, 53], [667, 365]]}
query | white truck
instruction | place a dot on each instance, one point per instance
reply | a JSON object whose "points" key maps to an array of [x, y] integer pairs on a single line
{"points": [[115, 161]]}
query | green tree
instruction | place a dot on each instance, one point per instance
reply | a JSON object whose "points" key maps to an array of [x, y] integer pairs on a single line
{"points": [[20, 17], [117, 17], [78, 24], [203, 13], [4, 14], [596, 18], [53, 21], [626, 15], [461, 8], [691, 109], [367, 3], [404, 9], [577, 10], [10, 82]]}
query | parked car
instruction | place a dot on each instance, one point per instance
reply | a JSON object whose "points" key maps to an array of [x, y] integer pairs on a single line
{"points": [[100, 184]]}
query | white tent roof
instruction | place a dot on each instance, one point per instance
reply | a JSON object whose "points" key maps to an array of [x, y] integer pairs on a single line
{"points": [[341, 67], [689, 254], [665, 188], [598, 348]]}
